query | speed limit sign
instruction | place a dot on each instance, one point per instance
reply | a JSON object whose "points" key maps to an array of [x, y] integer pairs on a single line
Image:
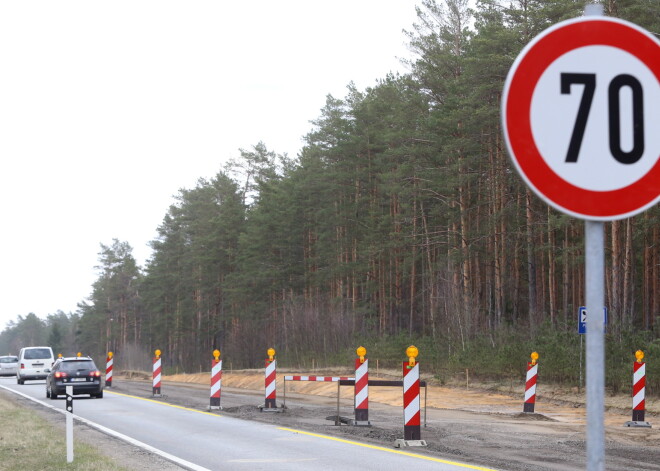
{"points": [[581, 117]]}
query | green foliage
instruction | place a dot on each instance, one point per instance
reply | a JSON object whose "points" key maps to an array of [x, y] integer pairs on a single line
{"points": [[401, 221]]}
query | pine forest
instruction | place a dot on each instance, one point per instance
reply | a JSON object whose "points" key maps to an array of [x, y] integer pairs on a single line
{"points": [[402, 220]]}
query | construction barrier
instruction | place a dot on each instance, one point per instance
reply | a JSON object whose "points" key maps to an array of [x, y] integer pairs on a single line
{"points": [[638, 392], [271, 382], [361, 388], [530, 383], [323, 379], [411, 401], [216, 380], [156, 374], [108, 370]]}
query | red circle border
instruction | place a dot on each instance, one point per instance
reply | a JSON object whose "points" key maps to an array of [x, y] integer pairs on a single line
{"points": [[532, 62]]}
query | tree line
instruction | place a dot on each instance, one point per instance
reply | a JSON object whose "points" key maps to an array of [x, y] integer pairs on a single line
{"points": [[401, 218]]}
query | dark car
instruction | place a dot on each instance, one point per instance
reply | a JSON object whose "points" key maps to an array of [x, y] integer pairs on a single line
{"points": [[79, 372]]}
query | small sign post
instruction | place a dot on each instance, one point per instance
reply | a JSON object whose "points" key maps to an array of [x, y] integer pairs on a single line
{"points": [[69, 424]]}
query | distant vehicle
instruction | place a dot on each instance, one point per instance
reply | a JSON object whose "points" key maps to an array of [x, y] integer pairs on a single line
{"points": [[79, 372], [8, 365], [34, 363]]}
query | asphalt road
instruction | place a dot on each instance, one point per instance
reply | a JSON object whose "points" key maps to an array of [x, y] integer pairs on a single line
{"points": [[213, 441]]}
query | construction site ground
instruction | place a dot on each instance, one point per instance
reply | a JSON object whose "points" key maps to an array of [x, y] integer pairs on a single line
{"points": [[479, 424]]}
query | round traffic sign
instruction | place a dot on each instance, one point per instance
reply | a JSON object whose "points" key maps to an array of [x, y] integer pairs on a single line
{"points": [[580, 115]]}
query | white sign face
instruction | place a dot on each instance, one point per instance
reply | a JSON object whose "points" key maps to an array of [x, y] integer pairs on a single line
{"points": [[581, 112]]}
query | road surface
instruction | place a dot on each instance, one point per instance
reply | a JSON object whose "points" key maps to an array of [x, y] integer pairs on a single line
{"points": [[209, 440]]}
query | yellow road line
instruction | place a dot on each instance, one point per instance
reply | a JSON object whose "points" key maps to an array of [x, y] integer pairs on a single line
{"points": [[398, 452], [162, 403], [326, 437]]}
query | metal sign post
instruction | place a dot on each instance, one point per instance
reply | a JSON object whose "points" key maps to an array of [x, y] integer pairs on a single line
{"points": [[595, 276]]}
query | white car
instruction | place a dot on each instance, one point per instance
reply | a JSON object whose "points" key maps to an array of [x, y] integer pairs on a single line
{"points": [[34, 363], [8, 365]]}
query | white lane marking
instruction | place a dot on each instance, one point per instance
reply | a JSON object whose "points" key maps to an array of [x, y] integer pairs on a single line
{"points": [[113, 433]]}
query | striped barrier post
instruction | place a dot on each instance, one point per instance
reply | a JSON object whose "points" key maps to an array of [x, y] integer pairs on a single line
{"points": [[530, 383], [216, 380], [157, 374], [411, 409], [271, 382], [638, 392], [108, 370], [361, 388]]}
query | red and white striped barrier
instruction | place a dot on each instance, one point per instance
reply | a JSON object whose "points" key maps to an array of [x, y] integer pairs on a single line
{"points": [[361, 391], [530, 384], [156, 374], [411, 402], [216, 382], [329, 379], [108, 370], [639, 390], [271, 385]]}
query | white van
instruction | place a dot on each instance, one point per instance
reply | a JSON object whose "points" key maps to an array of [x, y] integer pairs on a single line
{"points": [[34, 363]]}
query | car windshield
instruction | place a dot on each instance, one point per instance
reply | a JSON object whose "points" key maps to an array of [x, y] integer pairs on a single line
{"points": [[9, 360], [77, 365], [37, 354]]}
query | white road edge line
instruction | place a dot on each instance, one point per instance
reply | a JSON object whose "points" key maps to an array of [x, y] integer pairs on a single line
{"points": [[174, 459]]}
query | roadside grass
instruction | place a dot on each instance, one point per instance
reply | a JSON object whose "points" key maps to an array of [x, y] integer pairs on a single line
{"points": [[27, 441]]}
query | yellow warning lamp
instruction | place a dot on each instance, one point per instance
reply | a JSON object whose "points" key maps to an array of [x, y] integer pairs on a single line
{"points": [[412, 353], [271, 354], [59, 355], [534, 356], [157, 353], [110, 354], [216, 354], [639, 355], [361, 352], [79, 354]]}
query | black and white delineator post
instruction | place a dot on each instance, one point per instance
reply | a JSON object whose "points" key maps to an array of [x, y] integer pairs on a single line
{"points": [[69, 424]]}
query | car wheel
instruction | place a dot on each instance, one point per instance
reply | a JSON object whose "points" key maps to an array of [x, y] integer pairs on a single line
{"points": [[19, 380], [99, 395], [47, 392], [53, 395]]}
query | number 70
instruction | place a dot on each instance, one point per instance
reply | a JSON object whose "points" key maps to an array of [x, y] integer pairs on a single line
{"points": [[614, 119]]}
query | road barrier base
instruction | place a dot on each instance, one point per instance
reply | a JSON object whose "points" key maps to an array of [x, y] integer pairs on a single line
{"points": [[637, 423], [269, 409], [215, 408], [401, 443], [360, 423]]}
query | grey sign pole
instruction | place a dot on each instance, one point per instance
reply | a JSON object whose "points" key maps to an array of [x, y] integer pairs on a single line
{"points": [[595, 280]]}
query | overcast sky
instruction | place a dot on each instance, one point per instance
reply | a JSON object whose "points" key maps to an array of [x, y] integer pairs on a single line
{"points": [[107, 109]]}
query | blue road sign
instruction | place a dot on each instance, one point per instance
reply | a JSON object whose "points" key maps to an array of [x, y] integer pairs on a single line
{"points": [[582, 319]]}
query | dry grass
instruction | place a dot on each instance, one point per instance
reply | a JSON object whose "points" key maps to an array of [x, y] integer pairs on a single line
{"points": [[27, 441]]}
